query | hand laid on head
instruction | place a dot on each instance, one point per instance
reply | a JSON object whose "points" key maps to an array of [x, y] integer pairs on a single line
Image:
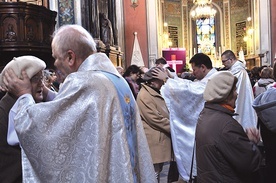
{"points": [[253, 134], [160, 74], [3, 88], [17, 86]]}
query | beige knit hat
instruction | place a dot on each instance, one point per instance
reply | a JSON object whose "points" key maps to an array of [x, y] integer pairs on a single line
{"points": [[219, 87], [31, 64]]}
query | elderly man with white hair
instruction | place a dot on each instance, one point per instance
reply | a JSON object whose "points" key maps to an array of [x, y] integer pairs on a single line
{"points": [[92, 130]]}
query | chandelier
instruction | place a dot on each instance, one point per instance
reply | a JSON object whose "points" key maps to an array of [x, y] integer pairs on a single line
{"points": [[203, 10]]}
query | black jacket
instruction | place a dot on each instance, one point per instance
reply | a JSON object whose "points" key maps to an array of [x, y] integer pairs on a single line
{"points": [[10, 156]]}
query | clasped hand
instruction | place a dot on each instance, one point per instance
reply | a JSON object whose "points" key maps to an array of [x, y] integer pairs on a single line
{"points": [[253, 134]]}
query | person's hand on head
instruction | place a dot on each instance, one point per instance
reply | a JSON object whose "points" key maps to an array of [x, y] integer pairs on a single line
{"points": [[3, 88], [159, 74], [17, 86]]}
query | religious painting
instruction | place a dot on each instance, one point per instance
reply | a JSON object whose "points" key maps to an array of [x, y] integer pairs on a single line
{"points": [[205, 36], [241, 43], [66, 12], [176, 58], [173, 35]]}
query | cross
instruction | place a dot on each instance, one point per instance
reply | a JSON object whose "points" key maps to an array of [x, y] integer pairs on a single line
{"points": [[174, 62]]}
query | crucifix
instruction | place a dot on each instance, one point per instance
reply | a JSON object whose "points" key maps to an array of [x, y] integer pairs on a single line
{"points": [[174, 62]]}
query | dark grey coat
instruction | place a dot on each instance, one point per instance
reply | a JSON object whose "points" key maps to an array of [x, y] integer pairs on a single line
{"points": [[10, 156], [223, 150]]}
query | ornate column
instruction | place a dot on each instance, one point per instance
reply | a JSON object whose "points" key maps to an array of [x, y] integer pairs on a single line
{"points": [[262, 30], [152, 24], [227, 28]]}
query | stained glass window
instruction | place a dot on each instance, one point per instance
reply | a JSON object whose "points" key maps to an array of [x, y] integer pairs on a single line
{"points": [[206, 39]]}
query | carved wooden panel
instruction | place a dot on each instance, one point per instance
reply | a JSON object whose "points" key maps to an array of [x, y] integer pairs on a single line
{"points": [[25, 29], [9, 29], [32, 29]]}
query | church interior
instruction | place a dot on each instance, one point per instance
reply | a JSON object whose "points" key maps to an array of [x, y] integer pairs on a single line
{"points": [[134, 32], [247, 27]]}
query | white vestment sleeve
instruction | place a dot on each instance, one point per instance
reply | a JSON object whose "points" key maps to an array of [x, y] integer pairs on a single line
{"points": [[184, 99], [51, 95], [12, 137], [246, 114]]}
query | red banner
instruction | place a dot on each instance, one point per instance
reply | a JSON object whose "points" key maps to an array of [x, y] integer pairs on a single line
{"points": [[176, 58]]}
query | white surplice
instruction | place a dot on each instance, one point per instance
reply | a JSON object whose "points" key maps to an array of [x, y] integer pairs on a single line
{"points": [[184, 99], [246, 114], [80, 136]]}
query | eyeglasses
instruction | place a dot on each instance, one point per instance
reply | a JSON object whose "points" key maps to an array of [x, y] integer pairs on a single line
{"points": [[223, 61], [37, 79]]}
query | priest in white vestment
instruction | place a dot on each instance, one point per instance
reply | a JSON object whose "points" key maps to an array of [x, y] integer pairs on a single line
{"points": [[91, 131], [185, 102], [246, 114]]}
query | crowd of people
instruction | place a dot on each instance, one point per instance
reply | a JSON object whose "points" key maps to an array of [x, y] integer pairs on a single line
{"points": [[101, 123]]}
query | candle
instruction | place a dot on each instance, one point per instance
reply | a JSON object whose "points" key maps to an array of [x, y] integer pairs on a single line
{"points": [[194, 51], [219, 51]]}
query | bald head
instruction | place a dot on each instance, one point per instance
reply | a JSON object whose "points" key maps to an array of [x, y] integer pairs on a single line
{"points": [[75, 38]]}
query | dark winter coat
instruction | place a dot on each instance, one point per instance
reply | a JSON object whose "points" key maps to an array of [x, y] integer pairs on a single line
{"points": [[10, 156], [223, 150]]}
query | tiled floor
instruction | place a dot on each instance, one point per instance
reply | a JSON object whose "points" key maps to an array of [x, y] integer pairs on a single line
{"points": [[164, 174]]}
